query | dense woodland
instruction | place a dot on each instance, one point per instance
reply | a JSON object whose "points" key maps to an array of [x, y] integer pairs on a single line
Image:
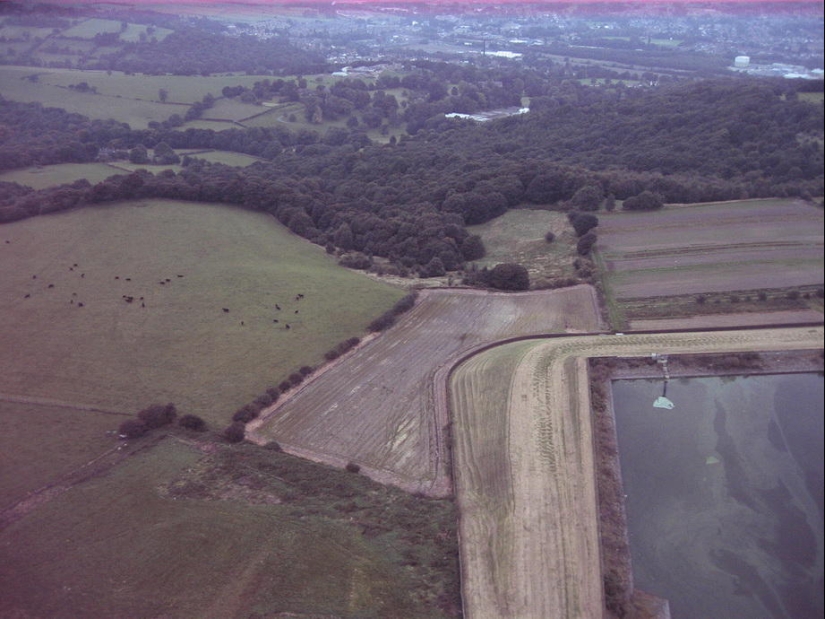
{"points": [[581, 147]]}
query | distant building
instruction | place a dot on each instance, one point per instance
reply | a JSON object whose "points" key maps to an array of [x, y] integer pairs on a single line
{"points": [[741, 62]]}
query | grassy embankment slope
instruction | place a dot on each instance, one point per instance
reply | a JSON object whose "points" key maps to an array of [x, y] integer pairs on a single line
{"points": [[524, 467]]}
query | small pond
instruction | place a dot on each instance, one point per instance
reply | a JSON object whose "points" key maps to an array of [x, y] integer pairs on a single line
{"points": [[725, 493]]}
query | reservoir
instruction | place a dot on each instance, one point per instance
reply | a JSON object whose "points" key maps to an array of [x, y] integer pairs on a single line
{"points": [[725, 493]]}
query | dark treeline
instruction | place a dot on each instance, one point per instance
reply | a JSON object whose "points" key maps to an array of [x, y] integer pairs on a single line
{"points": [[192, 51], [411, 201]]}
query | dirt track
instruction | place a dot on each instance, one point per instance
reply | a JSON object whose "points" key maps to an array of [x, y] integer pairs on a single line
{"points": [[531, 549]]}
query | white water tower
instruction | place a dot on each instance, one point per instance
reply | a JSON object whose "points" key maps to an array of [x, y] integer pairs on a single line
{"points": [[741, 62]]}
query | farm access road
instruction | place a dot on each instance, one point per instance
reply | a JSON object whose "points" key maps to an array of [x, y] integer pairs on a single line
{"points": [[529, 538]]}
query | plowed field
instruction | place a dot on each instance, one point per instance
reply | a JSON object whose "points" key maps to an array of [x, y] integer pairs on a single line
{"points": [[524, 471], [377, 406], [720, 247]]}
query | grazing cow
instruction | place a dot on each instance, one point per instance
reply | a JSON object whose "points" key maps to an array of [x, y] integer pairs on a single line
{"points": [[296, 311], [51, 286], [117, 276], [34, 276], [286, 327], [180, 275], [226, 309], [274, 320], [27, 296], [82, 275], [143, 304], [168, 280], [162, 283], [80, 304], [242, 323], [277, 307], [128, 279]]}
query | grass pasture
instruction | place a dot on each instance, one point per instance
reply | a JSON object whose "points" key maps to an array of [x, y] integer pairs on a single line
{"points": [[149, 539], [711, 248], [181, 347], [41, 442], [518, 236], [137, 113], [59, 174]]}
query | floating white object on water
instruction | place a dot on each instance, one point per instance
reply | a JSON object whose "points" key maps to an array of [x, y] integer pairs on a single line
{"points": [[663, 402]]}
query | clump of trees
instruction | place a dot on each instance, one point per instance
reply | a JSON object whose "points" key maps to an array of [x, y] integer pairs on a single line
{"points": [[150, 418]]}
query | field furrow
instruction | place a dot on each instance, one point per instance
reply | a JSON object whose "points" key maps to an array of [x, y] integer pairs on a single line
{"points": [[376, 406]]}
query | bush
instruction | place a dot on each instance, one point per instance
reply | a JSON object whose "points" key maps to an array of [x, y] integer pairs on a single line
{"points": [[284, 386], [549, 236], [645, 201], [246, 413], [586, 243], [356, 260], [158, 415], [352, 467], [509, 276], [132, 428], [384, 321], [192, 422], [583, 222], [306, 370], [235, 432]]}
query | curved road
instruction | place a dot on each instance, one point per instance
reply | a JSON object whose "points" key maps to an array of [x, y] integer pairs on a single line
{"points": [[532, 551]]}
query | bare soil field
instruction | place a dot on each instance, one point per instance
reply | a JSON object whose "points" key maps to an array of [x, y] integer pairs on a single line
{"points": [[745, 245], [377, 408], [529, 520]]}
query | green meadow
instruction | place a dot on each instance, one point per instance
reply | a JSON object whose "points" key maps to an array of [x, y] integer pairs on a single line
{"points": [[70, 335], [239, 532]]}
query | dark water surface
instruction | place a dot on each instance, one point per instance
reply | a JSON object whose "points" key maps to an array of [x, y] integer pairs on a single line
{"points": [[725, 493]]}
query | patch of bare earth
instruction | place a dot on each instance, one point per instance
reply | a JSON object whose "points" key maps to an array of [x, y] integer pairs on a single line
{"points": [[377, 408], [746, 245]]}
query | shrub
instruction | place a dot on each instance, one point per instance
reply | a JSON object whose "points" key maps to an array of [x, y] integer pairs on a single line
{"points": [[284, 386], [246, 413], [583, 222], [234, 432], [306, 370], [352, 467], [158, 415], [192, 422], [586, 243], [645, 201], [355, 260], [384, 321], [132, 428], [509, 276], [549, 236], [296, 378]]}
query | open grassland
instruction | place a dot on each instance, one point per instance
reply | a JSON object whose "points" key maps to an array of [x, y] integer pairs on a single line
{"points": [[524, 465], [70, 334], [41, 442], [180, 531], [378, 406], [40, 177], [518, 236], [88, 28], [137, 113]]}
